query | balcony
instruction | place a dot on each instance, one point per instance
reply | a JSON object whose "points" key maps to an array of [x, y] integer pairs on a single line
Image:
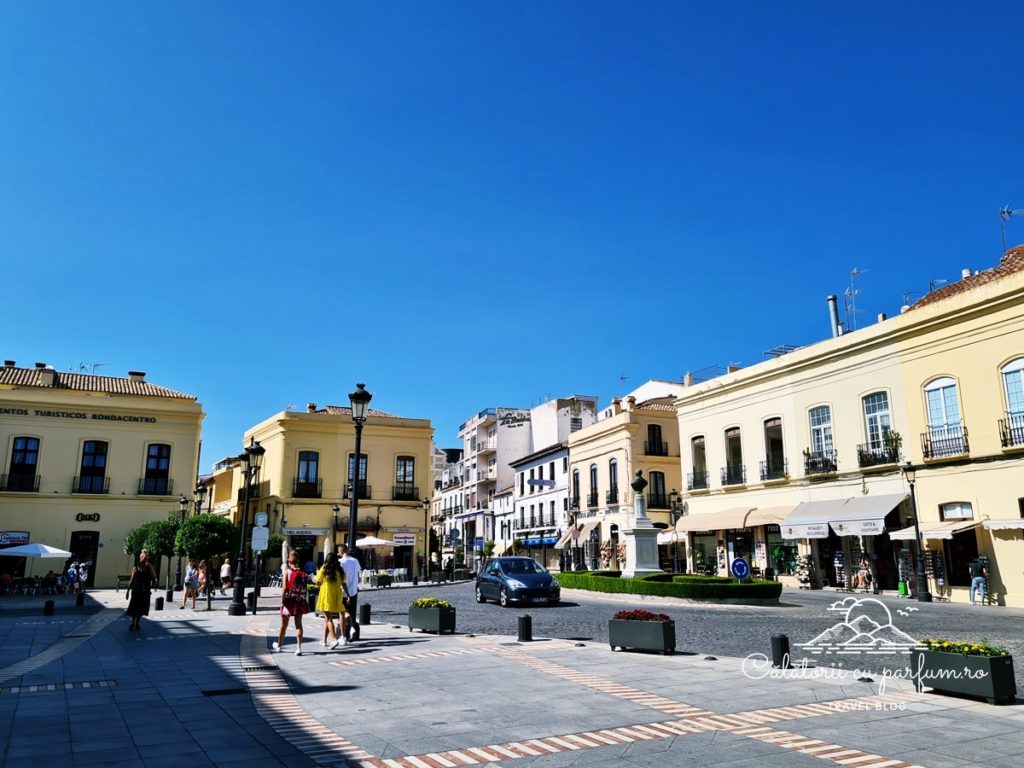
{"points": [[306, 488], [612, 496], [869, 455], [20, 483], [405, 492], [90, 484], [820, 462], [774, 469], [365, 491], [657, 501], [592, 500], [486, 446], [156, 486], [1011, 430], [940, 442], [734, 474], [697, 481], [574, 502], [655, 448]]}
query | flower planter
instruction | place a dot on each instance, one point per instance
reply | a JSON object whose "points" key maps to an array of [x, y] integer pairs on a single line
{"points": [[642, 635], [987, 677], [432, 619]]}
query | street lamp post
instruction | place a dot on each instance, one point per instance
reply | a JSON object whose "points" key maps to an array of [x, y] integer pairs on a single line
{"points": [[335, 511], [678, 508], [182, 509], [200, 494], [360, 400], [252, 456], [923, 595], [426, 539]]}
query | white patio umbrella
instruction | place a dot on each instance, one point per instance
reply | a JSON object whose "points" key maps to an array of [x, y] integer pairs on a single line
{"points": [[35, 550], [372, 541]]}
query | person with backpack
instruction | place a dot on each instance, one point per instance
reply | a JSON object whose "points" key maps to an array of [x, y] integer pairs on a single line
{"points": [[294, 603]]}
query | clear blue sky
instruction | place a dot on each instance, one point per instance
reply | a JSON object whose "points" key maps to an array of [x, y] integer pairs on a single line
{"points": [[475, 204]]}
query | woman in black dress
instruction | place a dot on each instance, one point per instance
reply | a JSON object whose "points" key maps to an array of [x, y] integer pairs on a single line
{"points": [[139, 589]]}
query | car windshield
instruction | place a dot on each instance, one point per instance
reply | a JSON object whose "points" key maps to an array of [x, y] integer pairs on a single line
{"points": [[522, 565]]}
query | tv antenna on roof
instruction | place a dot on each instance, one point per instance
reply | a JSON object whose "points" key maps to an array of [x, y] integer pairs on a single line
{"points": [[83, 366], [849, 295], [1006, 213], [622, 380]]}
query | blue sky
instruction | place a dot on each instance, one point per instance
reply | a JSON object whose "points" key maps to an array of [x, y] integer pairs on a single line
{"points": [[475, 204]]}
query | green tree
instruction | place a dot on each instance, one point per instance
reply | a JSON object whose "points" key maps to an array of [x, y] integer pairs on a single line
{"points": [[488, 548], [156, 536], [205, 536]]}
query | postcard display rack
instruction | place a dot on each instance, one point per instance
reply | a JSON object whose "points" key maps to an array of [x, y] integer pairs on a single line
{"points": [[904, 570]]}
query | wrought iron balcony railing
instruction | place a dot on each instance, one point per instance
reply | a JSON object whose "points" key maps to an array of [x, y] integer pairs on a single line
{"points": [[20, 483], [697, 480], [405, 492], [657, 501], [655, 448], [821, 462], [156, 486], [774, 469], [950, 440], [1011, 430], [307, 488], [90, 484], [365, 491], [734, 474], [869, 455], [592, 500], [612, 496]]}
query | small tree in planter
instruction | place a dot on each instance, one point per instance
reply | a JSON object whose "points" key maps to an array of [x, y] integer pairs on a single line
{"points": [[432, 614], [642, 630], [972, 669]]}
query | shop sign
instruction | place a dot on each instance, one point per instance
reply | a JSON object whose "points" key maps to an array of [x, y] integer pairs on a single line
{"points": [[85, 517], [305, 531], [77, 415], [13, 538], [404, 539]]}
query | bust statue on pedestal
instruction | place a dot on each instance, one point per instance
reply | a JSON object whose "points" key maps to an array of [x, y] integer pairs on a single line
{"points": [[642, 539]]}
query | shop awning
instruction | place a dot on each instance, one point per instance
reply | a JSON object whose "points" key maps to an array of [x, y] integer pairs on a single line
{"points": [[671, 537], [865, 515], [565, 537], [541, 542], [573, 539], [465, 515], [1003, 525], [941, 530], [809, 520], [768, 515], [714, 521]]}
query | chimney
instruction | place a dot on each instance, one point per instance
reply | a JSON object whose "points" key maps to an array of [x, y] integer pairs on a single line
{"points": [[138, 376], [310, 407], [730, 368], [833, 314], [881, 317], [40, 366], [9, 364], [630, 403], [46, 375], [688, 379], [965, 273]]}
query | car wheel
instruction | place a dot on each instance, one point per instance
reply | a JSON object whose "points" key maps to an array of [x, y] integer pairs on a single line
{"points": [[480, 595], [503, 598]]}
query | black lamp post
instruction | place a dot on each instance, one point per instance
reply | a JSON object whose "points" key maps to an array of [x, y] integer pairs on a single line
{"points": [[426, 539], [200, 494], [335, 511], [252, 456], [923, 595], [182, 509], [360, 400], [678, 509]]}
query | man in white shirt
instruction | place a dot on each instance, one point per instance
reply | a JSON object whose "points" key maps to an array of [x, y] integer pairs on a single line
{"points": [[352, 570]]}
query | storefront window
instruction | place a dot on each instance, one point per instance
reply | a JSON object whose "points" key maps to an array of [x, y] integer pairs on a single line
{"points": [[704, 553]]}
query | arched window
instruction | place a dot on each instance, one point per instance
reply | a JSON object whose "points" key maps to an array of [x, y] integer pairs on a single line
{"points": [[405, 479], [946, 435], [656, 496], [1012, 427], [592, 496], [734, 471], [575, 489], [613, 481]]}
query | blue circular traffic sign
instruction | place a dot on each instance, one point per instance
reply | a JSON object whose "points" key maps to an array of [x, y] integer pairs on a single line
{"points": [[740, 568]]}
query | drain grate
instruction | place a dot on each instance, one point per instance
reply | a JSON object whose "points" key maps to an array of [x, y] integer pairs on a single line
{"points": [[258, 669], [225, 692]]}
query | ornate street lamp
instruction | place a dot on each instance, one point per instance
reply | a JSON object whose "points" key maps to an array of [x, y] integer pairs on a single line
{"points": [[252, 457], [335, 511], [182, 509], [923, 595], [426, 539], [678, 509], [200, 494], [360, 400]]}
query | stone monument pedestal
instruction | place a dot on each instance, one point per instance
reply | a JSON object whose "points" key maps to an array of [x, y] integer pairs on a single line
{"points": [[641, 540]]}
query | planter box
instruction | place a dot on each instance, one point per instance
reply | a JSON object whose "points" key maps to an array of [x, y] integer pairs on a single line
{"points": [[644, 635], [987, 677], [436, 578], [432, 619]]}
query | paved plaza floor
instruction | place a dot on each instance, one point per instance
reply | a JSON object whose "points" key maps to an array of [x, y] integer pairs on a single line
{"points": [[203, 688]]}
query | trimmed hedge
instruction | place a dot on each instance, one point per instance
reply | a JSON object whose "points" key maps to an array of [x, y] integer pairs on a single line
{"points": [[692, 587]]}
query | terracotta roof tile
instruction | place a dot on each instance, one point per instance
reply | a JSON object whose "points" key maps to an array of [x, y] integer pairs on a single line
{"points": [[84, 382], [1012, 261], [346, 410]]}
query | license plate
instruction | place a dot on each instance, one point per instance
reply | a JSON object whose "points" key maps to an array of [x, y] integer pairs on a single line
{"points": [[538, 600]]}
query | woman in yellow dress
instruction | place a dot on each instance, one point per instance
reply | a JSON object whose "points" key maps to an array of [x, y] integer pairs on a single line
{"points": [[331, 599]]}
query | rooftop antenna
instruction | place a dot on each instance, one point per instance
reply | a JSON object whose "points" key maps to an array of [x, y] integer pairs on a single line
{"points": [[908, 298], [83, 366], [622, 380], [933, 284], [1006, 213], [849, 295]]}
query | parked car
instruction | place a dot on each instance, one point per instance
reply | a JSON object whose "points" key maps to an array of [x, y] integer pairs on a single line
{"points": [[516, 580]]}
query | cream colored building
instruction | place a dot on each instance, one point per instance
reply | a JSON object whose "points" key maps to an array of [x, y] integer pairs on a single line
{"points": [[308, 470], [87, 458], [603, 459]]}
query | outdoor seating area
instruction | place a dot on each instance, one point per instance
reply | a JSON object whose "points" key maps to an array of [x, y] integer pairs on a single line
{"points": [[383, 577]]}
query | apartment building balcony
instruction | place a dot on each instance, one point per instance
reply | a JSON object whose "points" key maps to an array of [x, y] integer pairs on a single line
{"points": [[869, 455], [365, 491], [306, 488], [697, 481], [156, 486], [655, 448], [942, 442], [90, 484], [612, 496], [1011, 430], [734, 474], [20, 483], [405, 492], [592, 500], [820, 462], [486, 446], [574, 502], [486, 416], [658, 501], [774, 469]]}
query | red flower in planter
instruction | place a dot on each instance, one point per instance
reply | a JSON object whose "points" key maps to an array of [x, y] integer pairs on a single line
{"points": [[641, 615]]}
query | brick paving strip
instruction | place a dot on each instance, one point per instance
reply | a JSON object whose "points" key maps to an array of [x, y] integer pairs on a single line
{"points": [[278, 706]]}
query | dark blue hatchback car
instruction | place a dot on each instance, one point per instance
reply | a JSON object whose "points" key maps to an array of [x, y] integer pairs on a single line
{"points": [[516, 580]]}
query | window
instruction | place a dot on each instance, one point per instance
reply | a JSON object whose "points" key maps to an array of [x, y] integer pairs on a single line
{"points": [[946, 435], [613, 481], [656, 496], [821, 429], [24, 460], [654, 445], [405, 479], [575, 423], [158, 468], [699, 477], [522, 483], [774, 466], [576, 488], [531, 484], [1011, 429], [309, 462], [92, 475], [876, 420], [551, 473], [357, 484], [733, 472], [958, 510], [592, 498]]}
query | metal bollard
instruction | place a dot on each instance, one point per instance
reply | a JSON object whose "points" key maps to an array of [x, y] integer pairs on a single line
{"points": [[780, 651], [250, 601], [169, 596], [159, 604], [48, 608], [525, 629], [364, 613], [79, 599]]}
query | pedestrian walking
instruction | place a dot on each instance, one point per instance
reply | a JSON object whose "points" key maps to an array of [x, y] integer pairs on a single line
{"points": [[331, 600], [204, 582], [293, 602], [225, 575], [352, 570], [191, 583], [83, 575], [72, 577], [979, 573], [140, 586]]}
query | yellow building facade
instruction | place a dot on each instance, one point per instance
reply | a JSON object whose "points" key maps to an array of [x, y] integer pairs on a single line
{"points": [[307, 480], [87, 458]]}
